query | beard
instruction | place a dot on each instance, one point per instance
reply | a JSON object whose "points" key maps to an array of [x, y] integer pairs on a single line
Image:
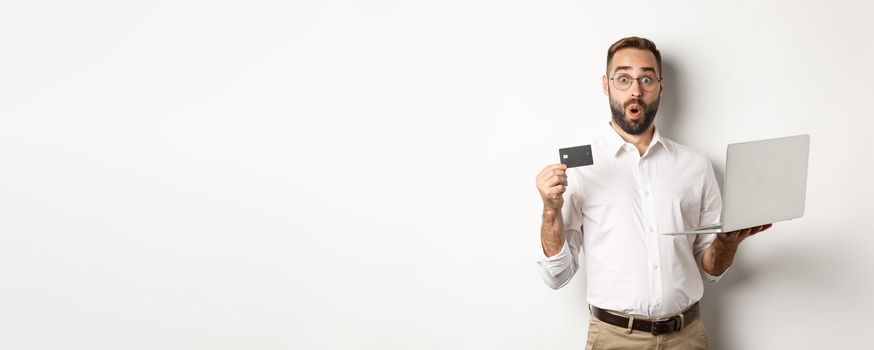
{"points": [[633, 127]]}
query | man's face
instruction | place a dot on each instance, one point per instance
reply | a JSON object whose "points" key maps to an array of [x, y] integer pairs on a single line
{"points": [[634, 108]]}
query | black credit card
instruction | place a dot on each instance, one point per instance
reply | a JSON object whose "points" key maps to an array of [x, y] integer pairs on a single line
{"points": [[576, 156]]}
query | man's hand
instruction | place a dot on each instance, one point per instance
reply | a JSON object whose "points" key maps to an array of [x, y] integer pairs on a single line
{"points": [[734, 238], [552, 182], [721, 253]]}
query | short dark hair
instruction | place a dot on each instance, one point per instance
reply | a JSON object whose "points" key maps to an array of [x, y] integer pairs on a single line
{"points": [[634, 42]]}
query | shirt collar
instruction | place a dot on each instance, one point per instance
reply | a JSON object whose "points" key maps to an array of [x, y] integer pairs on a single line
{"points": [[615, 143]]}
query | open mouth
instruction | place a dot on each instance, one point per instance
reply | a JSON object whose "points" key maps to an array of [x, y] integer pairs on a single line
{"points": [[634, 110]]}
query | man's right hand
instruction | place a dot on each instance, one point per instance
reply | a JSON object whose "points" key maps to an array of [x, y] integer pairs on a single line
{"points": [[552, 182]]}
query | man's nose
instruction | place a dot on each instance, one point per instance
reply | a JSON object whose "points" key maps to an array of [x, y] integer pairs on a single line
{"points": [[635, 89]]}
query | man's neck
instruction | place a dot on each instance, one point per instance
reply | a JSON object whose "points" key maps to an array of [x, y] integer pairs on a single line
{"points": [[641, 142]]}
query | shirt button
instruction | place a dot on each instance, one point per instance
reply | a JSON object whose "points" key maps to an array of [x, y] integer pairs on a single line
{"points": [[651, 229], [655, 267], [645, 193]]}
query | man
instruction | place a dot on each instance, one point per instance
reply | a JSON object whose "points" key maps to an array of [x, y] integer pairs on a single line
{"points": [[643, 288]]}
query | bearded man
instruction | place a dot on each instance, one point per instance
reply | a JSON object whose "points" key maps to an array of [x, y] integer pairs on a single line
{"points": [[643, 288]]}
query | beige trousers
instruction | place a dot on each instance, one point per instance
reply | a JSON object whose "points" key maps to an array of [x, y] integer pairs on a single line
{"points": [[603, 336]]}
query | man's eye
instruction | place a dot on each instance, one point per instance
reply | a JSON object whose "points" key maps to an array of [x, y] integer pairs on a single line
{"points": [[647, 80], [623, 79]]}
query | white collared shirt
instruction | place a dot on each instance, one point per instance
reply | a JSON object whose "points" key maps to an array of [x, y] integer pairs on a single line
{"points": [[614, 212]]}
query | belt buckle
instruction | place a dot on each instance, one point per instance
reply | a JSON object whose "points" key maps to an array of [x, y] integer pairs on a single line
{"points": [[675, 322], [654, 329]]}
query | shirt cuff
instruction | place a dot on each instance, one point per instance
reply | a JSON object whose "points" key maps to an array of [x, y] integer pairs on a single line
{"points": [[557, 263], [708, 277]]}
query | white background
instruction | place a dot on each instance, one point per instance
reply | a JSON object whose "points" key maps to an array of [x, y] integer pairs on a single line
{"points": [[357, 175]]}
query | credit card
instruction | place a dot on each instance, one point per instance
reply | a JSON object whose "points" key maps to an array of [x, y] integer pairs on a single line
{"points": [[576, 156]]}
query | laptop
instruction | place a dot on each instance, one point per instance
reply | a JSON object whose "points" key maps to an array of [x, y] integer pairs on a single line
{"points": [[765, 182]]}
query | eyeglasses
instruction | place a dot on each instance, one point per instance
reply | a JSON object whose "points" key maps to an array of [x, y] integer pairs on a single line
{"points": [[646, 82]]}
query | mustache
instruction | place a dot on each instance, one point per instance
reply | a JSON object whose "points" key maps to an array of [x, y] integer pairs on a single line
{"points": [[632, 101]]}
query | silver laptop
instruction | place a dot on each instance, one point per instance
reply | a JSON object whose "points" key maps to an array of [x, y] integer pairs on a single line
{"points": [[765, 182]]}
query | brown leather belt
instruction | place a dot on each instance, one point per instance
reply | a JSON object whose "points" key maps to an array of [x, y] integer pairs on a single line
{"points": [[656, 327]]}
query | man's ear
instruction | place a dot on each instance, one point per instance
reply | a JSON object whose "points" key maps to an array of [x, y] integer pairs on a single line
{"points": [[605, 86], [661, 88]]}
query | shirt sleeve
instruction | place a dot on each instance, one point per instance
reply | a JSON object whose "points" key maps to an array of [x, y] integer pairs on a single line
{"points": [[711, 214], [558, 269]]}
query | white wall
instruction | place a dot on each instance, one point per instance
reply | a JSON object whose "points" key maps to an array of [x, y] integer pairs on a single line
{"points": [[326, 175]]}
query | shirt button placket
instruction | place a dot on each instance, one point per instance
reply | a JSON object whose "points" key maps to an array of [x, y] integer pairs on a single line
{"points": [[652, 239]]}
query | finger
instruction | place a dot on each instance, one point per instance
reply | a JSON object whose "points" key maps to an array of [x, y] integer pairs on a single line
{"points": [[548, 177], [735, 235], [760, 229], [545, 186], [550, 170], [559, 172], [541, 176], [553, 167], [545, 173], [556, 180]]}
